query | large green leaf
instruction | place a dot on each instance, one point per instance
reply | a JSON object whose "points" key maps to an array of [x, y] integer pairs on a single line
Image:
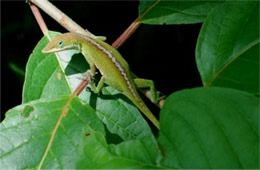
{"points": [[41, 134], [210, 128], [44, 134], [175, 12], [54, 75], [227, 52]]}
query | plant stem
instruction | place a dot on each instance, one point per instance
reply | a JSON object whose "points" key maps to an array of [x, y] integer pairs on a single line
{"points": [[127, 33], [60, 17], [39, 19], [82, 84]]}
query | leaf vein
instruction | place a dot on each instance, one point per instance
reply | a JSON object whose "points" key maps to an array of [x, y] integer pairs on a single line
{"points": [[199, 141]]}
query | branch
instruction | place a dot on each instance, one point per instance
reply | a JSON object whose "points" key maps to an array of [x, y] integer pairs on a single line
{"points": [[60, 17]]}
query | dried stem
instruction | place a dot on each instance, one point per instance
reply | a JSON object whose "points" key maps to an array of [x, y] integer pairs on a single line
{"points": [[60, 17]]}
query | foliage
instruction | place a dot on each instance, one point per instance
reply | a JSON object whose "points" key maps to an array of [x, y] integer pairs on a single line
{"points": [[205, 127]]}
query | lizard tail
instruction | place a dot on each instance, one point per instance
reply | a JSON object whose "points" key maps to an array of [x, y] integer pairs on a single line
{"points": [[146, 111]]}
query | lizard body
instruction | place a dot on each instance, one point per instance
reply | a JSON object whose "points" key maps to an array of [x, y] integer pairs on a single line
{"points": [[114, 69]]}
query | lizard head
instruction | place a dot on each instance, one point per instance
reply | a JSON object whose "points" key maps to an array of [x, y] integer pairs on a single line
{"points": [[60, 43]]}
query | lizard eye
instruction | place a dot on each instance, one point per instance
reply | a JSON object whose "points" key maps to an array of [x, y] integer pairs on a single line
{"points": [[61, 44]]}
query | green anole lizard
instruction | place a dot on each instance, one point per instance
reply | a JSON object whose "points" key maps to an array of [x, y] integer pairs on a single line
{"points": [[112, 66]]}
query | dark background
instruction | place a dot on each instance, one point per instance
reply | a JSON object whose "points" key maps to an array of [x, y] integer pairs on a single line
{"points": [[163, 53]]}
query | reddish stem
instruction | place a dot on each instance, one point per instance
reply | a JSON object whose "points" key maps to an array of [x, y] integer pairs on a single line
{"points": [[131, 29], [127, 33], [39, 18], [82, 85]]}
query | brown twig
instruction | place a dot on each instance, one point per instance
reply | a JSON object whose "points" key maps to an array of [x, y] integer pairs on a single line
{"points": [[60, 17]]}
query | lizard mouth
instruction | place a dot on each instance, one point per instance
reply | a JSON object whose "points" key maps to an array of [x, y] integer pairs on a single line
{"points": [[53, 50]]}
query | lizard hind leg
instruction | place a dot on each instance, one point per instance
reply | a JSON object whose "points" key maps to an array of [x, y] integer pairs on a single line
{"points": [[145, 83]]}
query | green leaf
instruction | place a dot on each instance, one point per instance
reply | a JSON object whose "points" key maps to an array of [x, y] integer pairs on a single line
{"points": [[140, 153], [227, 52], [175, 12], [51, 134], [43, 76], [210, 128], [120, 115], [144, 150], [53, 75], [48, 137]]}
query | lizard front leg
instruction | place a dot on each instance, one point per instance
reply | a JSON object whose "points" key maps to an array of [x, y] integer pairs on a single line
{"points": [[92, 72], [98, 88]]}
